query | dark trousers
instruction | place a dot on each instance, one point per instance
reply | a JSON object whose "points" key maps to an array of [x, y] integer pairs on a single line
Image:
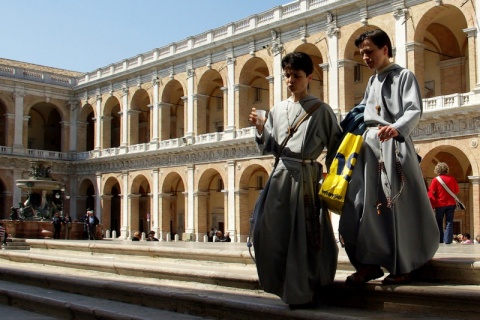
{"points": [[91, 232], [447, 212], [56, 231]]}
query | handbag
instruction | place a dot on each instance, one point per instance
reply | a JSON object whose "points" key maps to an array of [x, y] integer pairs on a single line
{"points": [[460, 205], [335, 184]]}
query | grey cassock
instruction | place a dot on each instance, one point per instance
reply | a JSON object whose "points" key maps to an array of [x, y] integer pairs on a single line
{"points": [[288, 263], [405, 236]]}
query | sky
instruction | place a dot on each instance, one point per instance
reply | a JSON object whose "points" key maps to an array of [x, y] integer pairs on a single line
{"points": [[84, 35]]}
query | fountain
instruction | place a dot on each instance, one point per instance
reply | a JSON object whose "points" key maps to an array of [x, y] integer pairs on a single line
{"points": [[32, 218]]}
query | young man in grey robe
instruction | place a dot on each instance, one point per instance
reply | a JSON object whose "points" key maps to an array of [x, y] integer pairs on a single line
{"points": [[387, 219], [295, 249]]}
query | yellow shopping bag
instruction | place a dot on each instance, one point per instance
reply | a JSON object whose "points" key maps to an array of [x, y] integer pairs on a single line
{"points": [[334, 187]]}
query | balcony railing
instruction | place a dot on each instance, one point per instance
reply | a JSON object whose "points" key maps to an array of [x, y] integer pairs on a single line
{"points": [[436, 107], [232, 29]]}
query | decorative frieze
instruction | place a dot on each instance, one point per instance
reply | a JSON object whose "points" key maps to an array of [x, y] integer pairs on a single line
{"points": [[171, 160]]}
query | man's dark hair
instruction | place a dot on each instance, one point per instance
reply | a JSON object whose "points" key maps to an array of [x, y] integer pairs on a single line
{"points": [[378, 37], [298, 61]]}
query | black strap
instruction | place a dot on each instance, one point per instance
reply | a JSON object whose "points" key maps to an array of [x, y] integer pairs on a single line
{"points": [[293, 130]]}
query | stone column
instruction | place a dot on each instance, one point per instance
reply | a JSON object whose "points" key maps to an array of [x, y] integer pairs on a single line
{"points": [[333, 79], [415, 52], [231, 222], [277, 74], [326, 85], [155, 212], [243, 216], [477, 50], [346, 71], [73, 129], [17, 192], [190, 208], [241, 95], [190, 132], [230, 89], [19, 127], [400, 15], [98, 204], [124, 227], [124, 115], [72, 190], [155, 106], [474, 78], [98, 122], [475, 204], [271, 90]]}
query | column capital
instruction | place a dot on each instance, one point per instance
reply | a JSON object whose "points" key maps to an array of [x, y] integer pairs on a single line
{"points": [[474, 179]]}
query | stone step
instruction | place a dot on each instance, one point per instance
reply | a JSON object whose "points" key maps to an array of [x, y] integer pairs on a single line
{"points": [[170, 262], [454, 264], [43, 289], [15, 244], [64, 305]]}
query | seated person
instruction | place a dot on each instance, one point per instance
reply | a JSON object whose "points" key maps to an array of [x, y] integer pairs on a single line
{"points": [[136, 236], [218, 237], [151, 236], [466, 239]]}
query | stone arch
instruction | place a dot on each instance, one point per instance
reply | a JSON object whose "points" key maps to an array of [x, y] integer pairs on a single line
{"points": [[140, 118], [172, 113], [3, 123], [210, 203], [140, 204], [460, 168], [45, 127], [85, 198], [86, 129], [445, 56], [210, 112], [316, 87], [354, 74], [111, 123], [112, 205], [253, 90], [173, 206], [251, 183]]}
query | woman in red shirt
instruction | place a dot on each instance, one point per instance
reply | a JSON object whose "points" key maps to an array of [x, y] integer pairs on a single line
{"points": [[445, 204]]}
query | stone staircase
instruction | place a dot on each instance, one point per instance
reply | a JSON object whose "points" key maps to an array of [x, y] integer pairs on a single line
{"points": [[15, 244], [112, 279]]}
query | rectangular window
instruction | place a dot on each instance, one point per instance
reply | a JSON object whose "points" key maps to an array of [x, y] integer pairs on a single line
{"points": [[259, 182], [357, 73], [257, 95]]}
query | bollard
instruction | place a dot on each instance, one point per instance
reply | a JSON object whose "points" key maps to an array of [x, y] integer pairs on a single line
{"points": [[169, 237], [107, 234], [143, 236], [114, 234], [205, 238], [176, 238]]}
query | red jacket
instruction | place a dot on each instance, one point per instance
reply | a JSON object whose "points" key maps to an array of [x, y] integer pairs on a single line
{"points": [[439, 196]]}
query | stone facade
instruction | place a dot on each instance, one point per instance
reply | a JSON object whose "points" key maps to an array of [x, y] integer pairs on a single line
{"points": [[162, 141]]}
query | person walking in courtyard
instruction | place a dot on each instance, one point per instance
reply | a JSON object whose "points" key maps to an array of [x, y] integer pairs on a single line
{"points": [[67, 221], [445, 204], [57, 225], [387, 218], [292, 262], [92, 222]]}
